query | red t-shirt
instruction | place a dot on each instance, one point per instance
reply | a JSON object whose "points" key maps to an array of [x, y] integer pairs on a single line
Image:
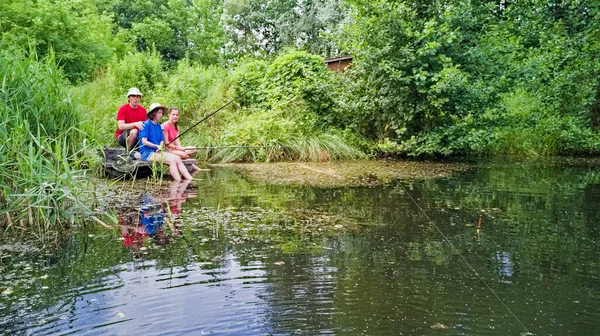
{"points": [[172, 132], [130, 115]]}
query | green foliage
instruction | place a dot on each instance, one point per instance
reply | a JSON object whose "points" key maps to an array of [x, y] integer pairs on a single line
{"points": [[285, 114], [194, 89], [80, 38], [261, 27], [34, 95], [433, 77], [41, 146], [247, 78], [143, 70], [297, 76], [175, 28]]}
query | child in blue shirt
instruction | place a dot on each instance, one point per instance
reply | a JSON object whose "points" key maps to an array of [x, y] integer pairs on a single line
{"points": [[152, 140]]}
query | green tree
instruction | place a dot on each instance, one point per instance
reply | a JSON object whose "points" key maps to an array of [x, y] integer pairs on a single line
{"points": [[435, 75], [176, 28], [261, 27], [80, 38]]}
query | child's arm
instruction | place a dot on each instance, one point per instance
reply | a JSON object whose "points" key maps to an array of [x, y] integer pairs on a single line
{"points": [[171, 145], [147, 143]]}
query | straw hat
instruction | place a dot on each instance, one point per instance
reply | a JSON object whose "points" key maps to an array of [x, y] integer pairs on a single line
{"points": [[155, 106]]}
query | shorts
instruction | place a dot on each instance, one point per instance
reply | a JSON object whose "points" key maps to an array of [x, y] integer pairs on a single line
{"points": [[146, 154], [122, 138]]}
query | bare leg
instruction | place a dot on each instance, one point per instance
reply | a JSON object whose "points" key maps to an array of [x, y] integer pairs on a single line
{"points": [[169, 159], [183, 170], [132, 138], [190, 151], [176, 166], [179, 153], [172, 161]]}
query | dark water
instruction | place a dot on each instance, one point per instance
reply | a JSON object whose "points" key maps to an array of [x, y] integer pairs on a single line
{"points": [[249, 258]]}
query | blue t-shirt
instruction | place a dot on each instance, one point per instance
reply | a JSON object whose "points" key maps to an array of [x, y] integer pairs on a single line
{"points": [[153, 133]]}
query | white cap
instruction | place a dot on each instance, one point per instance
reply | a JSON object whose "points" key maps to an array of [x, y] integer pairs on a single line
{"points": [[133, 92]]}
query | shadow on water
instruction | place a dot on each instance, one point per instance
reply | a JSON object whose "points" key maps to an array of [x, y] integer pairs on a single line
{"points": [[247, 257]]}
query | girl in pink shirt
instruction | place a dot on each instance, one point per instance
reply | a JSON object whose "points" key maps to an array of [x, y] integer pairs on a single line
{"points": [[171, 131]]}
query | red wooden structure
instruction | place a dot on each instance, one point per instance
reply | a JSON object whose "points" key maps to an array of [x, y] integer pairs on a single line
{"points": [[338, 63]]}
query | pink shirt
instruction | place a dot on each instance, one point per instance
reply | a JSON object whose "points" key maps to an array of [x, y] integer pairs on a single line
{"points": [[172, 132]]}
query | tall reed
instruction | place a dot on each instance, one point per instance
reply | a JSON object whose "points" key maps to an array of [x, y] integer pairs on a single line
{"points": [[39, 147]]}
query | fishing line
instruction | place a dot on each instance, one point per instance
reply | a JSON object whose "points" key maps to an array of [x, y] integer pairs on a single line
{"points": [[208, 116], [465, 260], [219, 147], [448, 240]]}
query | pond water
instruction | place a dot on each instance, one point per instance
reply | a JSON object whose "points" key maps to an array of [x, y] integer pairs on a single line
{"points": [[507, 247]]}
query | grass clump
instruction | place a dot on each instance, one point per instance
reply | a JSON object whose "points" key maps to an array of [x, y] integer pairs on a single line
{"points": [[40, 145]]}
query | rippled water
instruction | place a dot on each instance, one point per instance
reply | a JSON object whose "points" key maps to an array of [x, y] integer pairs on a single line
{"points": [[405, 258]]}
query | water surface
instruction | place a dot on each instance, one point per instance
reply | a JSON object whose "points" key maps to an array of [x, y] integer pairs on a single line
{"points": [[247, 257]]}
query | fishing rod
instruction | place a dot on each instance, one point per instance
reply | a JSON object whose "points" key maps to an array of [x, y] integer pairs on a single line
{"points": [[219, 147], [208, 116]]}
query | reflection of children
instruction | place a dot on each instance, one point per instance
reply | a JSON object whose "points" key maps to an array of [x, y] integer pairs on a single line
{"points": [[132, 232], [177, 196], [170, 132], [137, 225], [148, 220], [151, 215]]}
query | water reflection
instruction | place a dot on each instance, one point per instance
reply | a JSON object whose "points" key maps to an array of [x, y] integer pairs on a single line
{"points": [[248, 258], [147, 220]]}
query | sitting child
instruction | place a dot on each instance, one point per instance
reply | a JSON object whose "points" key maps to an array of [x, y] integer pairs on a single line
{"points": [[170, 132], [151, 141]]}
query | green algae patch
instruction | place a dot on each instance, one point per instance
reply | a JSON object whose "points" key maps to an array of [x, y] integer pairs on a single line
{"points": [[290, 230], [345, 173]]}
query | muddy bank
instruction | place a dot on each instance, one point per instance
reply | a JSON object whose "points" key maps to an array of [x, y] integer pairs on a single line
{"points": [[347, 173]]}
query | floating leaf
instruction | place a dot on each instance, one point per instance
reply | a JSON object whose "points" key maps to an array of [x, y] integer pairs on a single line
{"points": [[438, 326]]}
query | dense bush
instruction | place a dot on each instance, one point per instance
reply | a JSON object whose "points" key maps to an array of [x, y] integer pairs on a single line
{"points": [[195, 89], [80, 38], [437, 77], [285, 112], [143, 70]]}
